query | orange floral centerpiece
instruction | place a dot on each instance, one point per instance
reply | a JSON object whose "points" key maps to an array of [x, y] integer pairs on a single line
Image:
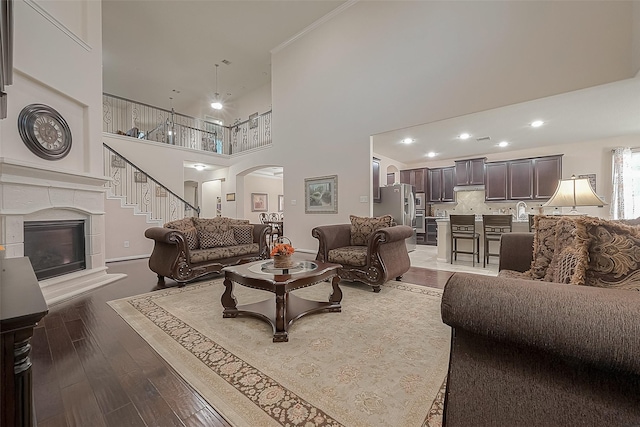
{"points": [[281, 253]]}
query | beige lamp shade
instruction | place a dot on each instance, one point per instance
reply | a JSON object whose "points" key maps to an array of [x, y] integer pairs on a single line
{"points": [[574, 192]]}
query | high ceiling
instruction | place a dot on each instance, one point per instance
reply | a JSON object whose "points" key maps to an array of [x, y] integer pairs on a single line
{"points": [[156, 50]]}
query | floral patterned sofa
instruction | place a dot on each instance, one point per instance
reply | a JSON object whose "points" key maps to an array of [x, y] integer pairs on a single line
{"points": [[370, 250], [555, 338], [191, 247]]}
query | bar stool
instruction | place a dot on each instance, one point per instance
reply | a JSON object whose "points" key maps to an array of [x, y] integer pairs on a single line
{"points": [[494, 226], [531, 222], [464, 227]]}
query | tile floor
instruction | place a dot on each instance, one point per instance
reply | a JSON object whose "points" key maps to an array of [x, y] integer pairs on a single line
{"points": [[426, 256]]}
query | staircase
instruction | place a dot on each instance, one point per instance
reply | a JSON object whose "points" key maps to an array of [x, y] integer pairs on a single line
{"points": [[145, 195]]}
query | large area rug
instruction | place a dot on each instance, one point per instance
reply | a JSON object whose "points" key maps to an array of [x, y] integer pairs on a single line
{"points": [[382, 361]]}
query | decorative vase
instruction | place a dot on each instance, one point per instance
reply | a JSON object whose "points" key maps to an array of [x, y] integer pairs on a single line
{"points": [[282, 261]]}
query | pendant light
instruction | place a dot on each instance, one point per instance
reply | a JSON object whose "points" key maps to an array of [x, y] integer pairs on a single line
{"points": [[216, 104]]}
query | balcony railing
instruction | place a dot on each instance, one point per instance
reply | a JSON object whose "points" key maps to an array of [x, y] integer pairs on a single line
{"points": [[141, 121]]}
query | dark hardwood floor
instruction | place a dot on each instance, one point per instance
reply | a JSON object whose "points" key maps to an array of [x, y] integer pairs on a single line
{"points": [[90, 369]]}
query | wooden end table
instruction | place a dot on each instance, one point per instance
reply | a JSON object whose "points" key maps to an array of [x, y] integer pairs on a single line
{"points": [[283, 308]]}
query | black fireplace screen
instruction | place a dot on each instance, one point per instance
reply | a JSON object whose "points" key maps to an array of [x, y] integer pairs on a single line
{"points": [[54, 247]]}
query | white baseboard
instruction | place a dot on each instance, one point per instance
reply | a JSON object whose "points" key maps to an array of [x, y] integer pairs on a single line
{"points": [[127, 258], [62, 288]]}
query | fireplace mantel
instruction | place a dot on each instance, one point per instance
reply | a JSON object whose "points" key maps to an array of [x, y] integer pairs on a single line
{"points": [[32, 192]]}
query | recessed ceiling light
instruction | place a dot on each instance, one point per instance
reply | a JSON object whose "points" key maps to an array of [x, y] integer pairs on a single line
{"points": [[200, 167], [503, 144], [431, 154], [407, 141], [537, 123], [464, 136]]}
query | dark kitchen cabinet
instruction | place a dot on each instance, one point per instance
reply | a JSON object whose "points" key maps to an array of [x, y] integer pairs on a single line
{"points": [[523, 179], [495, 182], [415, 177], [520, 179], [376, 179], [441, 182], [470, 172], [547, 171]]}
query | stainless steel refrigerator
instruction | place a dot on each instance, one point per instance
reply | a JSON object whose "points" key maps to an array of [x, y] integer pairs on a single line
{"points": [[399, 201]]}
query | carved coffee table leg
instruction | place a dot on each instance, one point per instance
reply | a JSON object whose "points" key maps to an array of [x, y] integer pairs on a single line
{"points": [[336, 296], [281, 335], [229, 301]]}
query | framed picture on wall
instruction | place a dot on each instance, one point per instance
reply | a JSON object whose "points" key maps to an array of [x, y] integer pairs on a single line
{"points": [[281, 203], [231, 197], [321, 194], [259, 202]]}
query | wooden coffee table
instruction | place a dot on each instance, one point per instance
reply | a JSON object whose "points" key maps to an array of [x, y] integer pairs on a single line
{"points": [[283, 308]]}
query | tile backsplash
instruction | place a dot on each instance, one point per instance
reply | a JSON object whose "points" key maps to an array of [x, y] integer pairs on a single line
{"points": [[472, 202]]}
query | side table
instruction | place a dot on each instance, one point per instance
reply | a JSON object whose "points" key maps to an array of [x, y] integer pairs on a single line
{"points": [[22, 306]]}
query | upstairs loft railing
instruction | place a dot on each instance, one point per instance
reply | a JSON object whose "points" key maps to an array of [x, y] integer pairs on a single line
{"points": [[141, 191], [125, 117]]}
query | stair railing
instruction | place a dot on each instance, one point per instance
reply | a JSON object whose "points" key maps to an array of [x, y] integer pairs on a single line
{"points": [[143, 192]]}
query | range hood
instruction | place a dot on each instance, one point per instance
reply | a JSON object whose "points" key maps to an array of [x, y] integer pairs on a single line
{"points": [[468, 188]]}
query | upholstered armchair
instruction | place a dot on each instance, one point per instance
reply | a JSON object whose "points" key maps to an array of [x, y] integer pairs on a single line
{"points": [[372, 256]]}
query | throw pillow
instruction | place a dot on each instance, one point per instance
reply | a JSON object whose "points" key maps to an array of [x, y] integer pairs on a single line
{"points": [[192, 238], [363, 227], [201, 223], [243, 234], [234, 222], [209, 239], [614, 255], [570, 252], [219, 228], [543, 244], [180, 224]]}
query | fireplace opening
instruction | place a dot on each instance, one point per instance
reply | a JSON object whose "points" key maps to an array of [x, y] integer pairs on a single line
{"points": [[55, 247]]}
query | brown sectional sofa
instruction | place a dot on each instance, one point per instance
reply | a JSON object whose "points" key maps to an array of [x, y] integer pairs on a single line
{"points": [[530, 351], [192, 247]]}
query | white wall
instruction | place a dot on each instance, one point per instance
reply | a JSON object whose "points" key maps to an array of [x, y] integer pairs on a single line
{"points": [[211, 190], [258, 101], [58, 62], [124, 226], [261, 184], [345, 80]]}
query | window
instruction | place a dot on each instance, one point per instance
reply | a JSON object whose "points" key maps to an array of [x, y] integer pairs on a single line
{"points": [[625, 200], [632, 181]]}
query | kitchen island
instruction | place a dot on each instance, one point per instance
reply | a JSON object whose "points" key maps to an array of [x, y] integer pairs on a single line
{"points": [[444, 240]]}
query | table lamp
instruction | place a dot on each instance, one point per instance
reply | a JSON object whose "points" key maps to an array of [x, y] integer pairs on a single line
{"points": [[574, 192]]}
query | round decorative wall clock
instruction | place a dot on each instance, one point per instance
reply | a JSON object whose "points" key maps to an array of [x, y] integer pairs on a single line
{"points": [[44, 131]]}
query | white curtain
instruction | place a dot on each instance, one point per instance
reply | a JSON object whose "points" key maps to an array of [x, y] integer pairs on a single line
{"points": [[622, 199]]}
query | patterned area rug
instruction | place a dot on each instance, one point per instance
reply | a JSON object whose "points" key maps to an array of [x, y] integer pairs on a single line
{"points": [[382, 361]]}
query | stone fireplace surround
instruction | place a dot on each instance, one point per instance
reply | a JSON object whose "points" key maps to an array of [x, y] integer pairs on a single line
{"points": [[29, 192]]}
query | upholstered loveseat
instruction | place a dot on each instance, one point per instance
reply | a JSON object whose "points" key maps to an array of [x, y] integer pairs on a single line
{"points": [[555, 339], [370, 250], [192, 247]]}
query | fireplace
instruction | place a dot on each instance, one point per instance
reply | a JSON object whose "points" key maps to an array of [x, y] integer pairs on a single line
{"points": [[55, 247]]}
